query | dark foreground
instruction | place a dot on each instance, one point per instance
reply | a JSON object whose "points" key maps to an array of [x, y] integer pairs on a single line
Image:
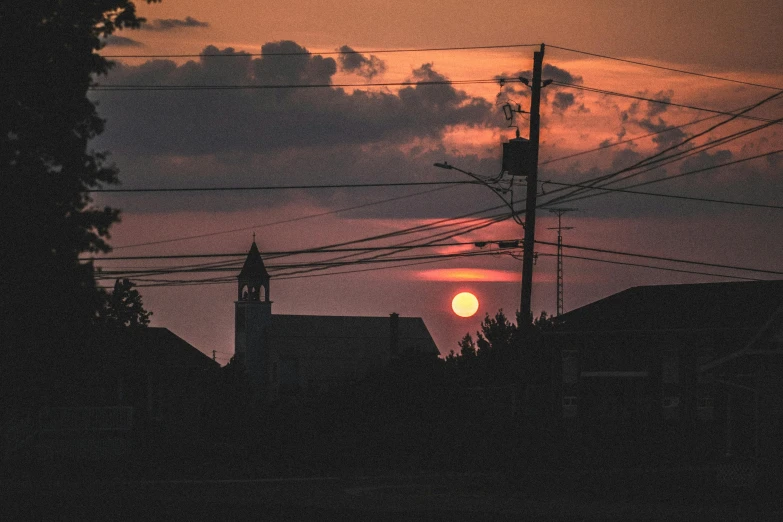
{"points": [[671, 494]]}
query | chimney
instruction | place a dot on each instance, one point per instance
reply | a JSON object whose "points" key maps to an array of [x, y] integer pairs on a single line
{"points": [[394, 334]]}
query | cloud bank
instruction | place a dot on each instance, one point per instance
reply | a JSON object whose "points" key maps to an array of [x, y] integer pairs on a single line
{"points": [[169, 24]]}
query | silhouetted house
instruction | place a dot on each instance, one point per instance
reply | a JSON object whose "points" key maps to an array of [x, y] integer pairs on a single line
{"points": [[292, 354], [125, 385], [699, 361]]}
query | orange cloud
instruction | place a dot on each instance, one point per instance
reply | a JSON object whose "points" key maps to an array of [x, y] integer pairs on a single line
{"points": [[469, 274]]}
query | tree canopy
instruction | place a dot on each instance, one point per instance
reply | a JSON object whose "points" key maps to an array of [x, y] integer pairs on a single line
{"points": [[499, 352], [124, 307], [49, 295]]}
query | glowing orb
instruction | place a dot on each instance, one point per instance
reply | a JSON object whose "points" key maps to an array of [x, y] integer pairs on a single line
{"points": [[464, 304]]}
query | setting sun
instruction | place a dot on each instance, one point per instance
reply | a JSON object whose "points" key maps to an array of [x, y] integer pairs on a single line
{"points": [[464, 304]]}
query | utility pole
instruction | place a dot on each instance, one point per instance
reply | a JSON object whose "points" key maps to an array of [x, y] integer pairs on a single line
{"points": [[532, 187], [214, 356], [560, 228]]}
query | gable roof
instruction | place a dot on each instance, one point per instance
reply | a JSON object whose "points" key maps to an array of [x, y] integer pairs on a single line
{"points": [[350, 332], [734, 305], [146, 347]]}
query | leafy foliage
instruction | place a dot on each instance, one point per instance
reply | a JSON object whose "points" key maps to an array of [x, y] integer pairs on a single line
{"points": [[48, 296], [124, 307], [499, 353], [48, 218]]}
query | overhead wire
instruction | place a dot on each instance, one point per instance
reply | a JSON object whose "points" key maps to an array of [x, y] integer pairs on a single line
{"points": [[283, 221], [709, 145], [654, 100], [664, 258], [626, 263], [285, 187], [217, 87], [629, 140], [323, 53], [662, 67], [657, 157]]}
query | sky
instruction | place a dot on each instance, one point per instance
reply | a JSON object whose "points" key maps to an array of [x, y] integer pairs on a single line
{"points": [[349, 131]]}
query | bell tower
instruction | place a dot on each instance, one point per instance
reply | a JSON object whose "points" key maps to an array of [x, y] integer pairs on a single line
{"points": [[253, 315]]}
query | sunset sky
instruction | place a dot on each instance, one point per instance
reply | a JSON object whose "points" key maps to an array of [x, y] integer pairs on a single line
{"points": [[367, 133]]}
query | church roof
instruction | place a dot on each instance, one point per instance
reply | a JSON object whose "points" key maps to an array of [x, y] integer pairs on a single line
{"points": [[254, 265], [349, 334]]}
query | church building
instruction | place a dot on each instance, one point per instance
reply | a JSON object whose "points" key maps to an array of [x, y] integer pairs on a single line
{"points": [[295, 354]]}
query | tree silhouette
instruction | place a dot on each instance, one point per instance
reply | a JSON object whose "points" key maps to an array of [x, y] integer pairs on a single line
{"points": [[497, 334], [499, 352], [124, 307], [49, 297]]}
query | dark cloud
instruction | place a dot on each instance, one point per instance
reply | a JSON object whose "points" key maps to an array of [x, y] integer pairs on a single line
{"points": [[562, 101], [168, 24], [300, 68], [654, 109], [625, 157], [258, 120], [364, 66], [553, 72], [668, 134], [705, 159], [121, 41]]}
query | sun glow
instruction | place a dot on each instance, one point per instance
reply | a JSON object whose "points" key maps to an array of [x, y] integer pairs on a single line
{"points": [[464, 304]]}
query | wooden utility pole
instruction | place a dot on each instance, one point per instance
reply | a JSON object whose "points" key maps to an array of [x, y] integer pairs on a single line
{"points": [[532, 187]]}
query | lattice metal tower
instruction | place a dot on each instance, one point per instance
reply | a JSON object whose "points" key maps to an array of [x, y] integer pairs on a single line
{"points": [[560, 228]]}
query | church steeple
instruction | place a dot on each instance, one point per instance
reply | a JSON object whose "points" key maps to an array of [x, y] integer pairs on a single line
{"points": [[253, 277], [253, 312]]}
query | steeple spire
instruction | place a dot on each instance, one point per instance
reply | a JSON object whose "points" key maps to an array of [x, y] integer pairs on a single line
{"points": [[253, 276]]}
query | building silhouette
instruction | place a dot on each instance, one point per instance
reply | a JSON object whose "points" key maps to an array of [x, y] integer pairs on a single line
{"points": [[299, 354], [123, 387], [700, 365]]}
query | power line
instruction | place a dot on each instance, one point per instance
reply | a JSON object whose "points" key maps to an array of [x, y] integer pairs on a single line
{"points": [[325, 53], [316, 250], [626, 263], [629, 140], [653, 100], [682, 71], [569, 197], [677, 196], [324, 264], [280, 222], [669, 259], [121, 87], [287, 187], [659, 160], [232, 280], [445, 257], [332, 263]]}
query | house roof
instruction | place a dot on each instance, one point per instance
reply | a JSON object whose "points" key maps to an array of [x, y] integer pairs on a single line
{"points": [[146, 347], [735, 305], [349, 333]]}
